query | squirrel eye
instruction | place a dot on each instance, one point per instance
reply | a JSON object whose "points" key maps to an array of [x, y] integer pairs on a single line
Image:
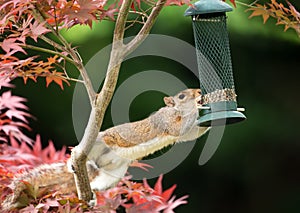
{"points": [[181, 96]]}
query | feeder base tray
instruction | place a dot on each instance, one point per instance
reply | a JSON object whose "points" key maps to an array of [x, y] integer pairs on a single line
{"points": [[221, 118]]}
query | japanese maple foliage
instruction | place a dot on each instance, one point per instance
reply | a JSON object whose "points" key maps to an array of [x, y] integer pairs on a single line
{"points": [[25, 22], [139, 197], [127, 195], [13, 117], [287, 16], [18, 157]]}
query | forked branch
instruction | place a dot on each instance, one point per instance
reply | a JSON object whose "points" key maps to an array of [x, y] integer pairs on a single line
{"points": [[79, 154], [118, 52]]}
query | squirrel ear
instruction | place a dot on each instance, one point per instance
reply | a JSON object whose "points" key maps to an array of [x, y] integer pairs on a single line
{"points": [[169, 101]]}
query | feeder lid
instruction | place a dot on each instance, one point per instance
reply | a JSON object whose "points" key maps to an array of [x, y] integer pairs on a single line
{"points": [[208, 6]]}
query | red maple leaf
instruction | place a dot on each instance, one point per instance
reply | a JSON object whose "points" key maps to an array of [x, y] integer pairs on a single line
{"points": [[233, 2], [4, 81], [110, 12], [10, 46], [56, 77], [7, 100], [13, 117], [38, 29], [147, 199]]}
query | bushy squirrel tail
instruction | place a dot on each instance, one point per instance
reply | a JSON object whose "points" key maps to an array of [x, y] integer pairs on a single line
{"points": [[48, 177]]}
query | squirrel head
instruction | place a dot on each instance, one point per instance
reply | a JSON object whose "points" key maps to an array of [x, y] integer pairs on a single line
{"points": [[186, 98]]}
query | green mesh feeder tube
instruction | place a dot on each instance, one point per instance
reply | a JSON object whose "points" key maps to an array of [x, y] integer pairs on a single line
{"points": [[214, 63]]}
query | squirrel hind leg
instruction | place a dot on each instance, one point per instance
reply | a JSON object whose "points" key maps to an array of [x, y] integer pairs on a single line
{"points": [[108, 177]]}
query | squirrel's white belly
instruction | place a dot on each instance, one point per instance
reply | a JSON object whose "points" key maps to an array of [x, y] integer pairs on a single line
{"points": [[144, 149]]}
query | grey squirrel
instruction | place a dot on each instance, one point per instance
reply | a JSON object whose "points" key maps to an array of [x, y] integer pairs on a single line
{"points": [[117, 147]]}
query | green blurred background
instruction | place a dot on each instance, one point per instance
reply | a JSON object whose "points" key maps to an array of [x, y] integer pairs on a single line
{"points": [[257, 166]]}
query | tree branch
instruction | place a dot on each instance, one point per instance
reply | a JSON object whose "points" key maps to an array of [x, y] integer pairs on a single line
{"points": [[141, 36], [45, 50], [53, 43], [121, 21], [80, 152], [118, 52]]}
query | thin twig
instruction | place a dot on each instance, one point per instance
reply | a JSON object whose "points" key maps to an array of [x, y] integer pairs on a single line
{"points": [[40, 49], [141, 36], [64, 77], [53, 43], [139, 13], [133, 22], [73, 79], [247, 5], [149, 2], [142, 15]]}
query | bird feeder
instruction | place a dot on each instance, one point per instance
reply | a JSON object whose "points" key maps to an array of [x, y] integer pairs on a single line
{"points": [[219, 104]]}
